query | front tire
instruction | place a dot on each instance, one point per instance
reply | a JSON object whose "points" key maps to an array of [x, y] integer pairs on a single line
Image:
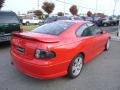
{"points": [[75, 67], [107, 46]]}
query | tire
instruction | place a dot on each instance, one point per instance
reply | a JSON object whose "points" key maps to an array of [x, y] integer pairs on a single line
{"points": [[107, 46], [105, 25], [27, 23], [75, 67]]}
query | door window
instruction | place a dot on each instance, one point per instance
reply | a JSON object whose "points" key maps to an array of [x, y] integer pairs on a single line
{"points": [[81, 29], [88, 29], [87, 32], [95, 30]]}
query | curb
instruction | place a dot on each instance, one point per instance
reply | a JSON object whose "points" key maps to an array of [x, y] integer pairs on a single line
{"points": [[115, 38]]}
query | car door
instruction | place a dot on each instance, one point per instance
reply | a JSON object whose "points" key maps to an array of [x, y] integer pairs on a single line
{"points": [[87, 40], [100, 39]]}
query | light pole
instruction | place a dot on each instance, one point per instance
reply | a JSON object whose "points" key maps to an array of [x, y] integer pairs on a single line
{"points": [[118, 33], [64, 7], [96, 5], [37, 4], [115, 6]]}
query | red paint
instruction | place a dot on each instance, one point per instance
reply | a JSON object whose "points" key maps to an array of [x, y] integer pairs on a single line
{"points": [[66, 46]]}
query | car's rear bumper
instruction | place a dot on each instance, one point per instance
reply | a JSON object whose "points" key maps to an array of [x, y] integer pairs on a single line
{"points": [[37, 70]]}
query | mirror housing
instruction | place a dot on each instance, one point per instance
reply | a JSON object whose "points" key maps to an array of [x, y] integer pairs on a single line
{"points": [[103, 32]]}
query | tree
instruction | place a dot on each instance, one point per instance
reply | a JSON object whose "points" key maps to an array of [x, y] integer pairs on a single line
{"points": [[73, 9], [48, 7], [60, 14], [1, 3], [38, 13], [89, 13]]}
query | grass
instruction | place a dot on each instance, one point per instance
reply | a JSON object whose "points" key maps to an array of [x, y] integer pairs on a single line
{"points": [[29, 27]]}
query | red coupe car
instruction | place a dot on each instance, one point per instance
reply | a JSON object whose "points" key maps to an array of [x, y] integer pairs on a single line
{"points": [[58, 49]]}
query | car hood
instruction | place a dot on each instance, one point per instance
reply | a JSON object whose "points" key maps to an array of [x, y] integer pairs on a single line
{"points": [[39, 37]]}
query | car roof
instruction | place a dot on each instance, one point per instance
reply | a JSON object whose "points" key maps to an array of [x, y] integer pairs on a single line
{"points": [[7, 12]]}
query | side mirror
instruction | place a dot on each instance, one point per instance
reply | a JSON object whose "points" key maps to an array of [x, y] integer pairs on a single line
{"points": [[103, 32]]}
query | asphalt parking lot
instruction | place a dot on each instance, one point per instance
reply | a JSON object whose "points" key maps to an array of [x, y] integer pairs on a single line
{"points": [[102, 73]]}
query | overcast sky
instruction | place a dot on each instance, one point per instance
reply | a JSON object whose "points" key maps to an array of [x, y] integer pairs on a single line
{"points": [[103, 6]]}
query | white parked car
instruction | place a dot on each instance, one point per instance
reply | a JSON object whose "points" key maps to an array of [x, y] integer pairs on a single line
{"points": [[31, 21]]}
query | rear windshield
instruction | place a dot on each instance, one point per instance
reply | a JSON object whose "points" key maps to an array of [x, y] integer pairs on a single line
{"points": [[54, 28], [8, 17], [50, 19]]}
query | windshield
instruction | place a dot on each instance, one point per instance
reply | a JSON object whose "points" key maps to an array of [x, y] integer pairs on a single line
{"points": [[54, 28], [8, 18]]}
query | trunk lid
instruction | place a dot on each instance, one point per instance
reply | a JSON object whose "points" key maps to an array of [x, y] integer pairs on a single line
{"points": [[38, 37], [25, 44]]}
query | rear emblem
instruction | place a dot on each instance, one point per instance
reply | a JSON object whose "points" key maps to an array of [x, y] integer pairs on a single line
{"points": [[20, 49]]}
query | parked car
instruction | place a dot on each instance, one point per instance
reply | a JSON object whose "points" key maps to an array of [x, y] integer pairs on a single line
{"points": [[76, 18], [96, 20], [89, 19], [56, 18], [9, 23], [114, 21], [106, 22], [110, 21], [33, 20], [57, 49]]}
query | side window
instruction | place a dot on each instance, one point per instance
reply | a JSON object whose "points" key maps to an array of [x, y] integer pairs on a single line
{"points": [[95, 30], [87, 32], [81, 29]]}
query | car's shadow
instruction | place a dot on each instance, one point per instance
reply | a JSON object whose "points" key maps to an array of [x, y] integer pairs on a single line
{"points": [[24, 77], [4, 45]]}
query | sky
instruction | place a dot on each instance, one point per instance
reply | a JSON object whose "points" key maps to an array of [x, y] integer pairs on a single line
{"points": [[102, 6]]}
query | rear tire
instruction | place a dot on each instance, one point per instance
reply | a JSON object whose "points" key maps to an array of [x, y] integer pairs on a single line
{"points": [[105, 24], [27, 23], [75, 67]]}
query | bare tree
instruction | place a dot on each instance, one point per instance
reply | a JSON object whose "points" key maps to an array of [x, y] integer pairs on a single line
{"points": [[89, 13], [38, 13], [1, 3], [73, 9], [48, 7]]}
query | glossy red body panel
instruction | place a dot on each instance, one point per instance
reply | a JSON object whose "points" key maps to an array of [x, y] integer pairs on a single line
{"points": [[66, 46]]}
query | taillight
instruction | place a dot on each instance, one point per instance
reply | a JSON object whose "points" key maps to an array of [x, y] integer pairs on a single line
{"points": [[44, 54], [21, 28]]}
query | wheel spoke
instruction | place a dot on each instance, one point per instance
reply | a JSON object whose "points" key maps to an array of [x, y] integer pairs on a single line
{"points": [[73, 68], [77, 66]]}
